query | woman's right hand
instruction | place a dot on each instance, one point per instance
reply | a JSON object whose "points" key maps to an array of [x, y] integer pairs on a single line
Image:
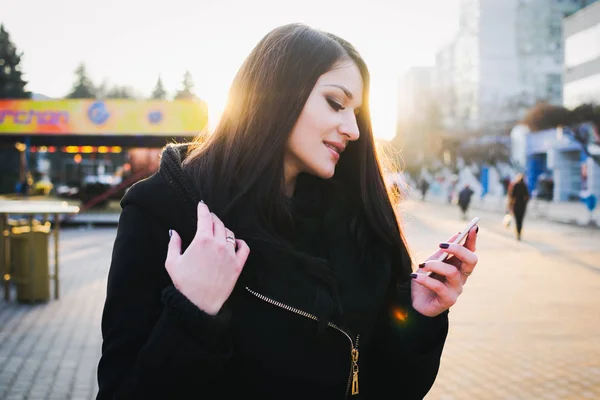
{"points": [[209, 268]]}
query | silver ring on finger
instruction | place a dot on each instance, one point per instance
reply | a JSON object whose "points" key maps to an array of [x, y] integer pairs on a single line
{"points": [[230, 237], [465, 273]]}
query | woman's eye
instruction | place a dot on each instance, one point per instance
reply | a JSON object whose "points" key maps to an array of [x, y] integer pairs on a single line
{"points": [[335, 105]]}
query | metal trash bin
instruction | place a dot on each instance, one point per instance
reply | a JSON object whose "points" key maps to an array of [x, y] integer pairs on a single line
{"points": [[29, 256]]}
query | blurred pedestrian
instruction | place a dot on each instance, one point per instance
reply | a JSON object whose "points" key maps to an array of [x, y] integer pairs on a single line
{"points": [[25, 185], [464, 200], [424, 187], [518, 197], [268, 261], [451, 192], [505, 184]]}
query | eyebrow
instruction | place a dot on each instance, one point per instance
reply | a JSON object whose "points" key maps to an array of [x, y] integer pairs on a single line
{"points": [[346, 91]]}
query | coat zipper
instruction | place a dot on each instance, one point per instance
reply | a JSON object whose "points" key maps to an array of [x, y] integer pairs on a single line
{"points": [[353, 377]]}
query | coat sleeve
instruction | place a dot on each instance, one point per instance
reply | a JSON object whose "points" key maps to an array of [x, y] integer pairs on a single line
{"points": [[405, 350], [156, 343]]}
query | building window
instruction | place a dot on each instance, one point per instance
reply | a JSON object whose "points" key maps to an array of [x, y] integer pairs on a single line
{"points": [[554, 87], [586, 90], [582, 47], [555, 31]]}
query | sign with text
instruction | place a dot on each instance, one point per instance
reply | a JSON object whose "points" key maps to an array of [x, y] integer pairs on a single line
{"points": [[103, 117]]}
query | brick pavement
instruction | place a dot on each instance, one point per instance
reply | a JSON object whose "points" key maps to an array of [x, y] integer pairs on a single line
{"points": [[525, 328], [50, 351]]}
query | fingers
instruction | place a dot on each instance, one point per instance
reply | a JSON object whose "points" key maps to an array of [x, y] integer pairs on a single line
{"points": [[218, 229], [211, 228], [438, 253], [450, 272], [446, 295], [173, 250], [453, 237], [205, 221], [460, 252], [229, 234], [471, 242], [242, 252]]}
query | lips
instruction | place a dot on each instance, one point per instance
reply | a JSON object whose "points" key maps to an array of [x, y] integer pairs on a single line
{"points": [[335, 146]]}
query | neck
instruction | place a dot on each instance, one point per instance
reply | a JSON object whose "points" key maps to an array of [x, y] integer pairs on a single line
{"points": [[289, 185]]}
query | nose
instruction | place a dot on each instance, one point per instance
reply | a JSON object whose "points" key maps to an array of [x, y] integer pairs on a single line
{"points": [[349, 128]]}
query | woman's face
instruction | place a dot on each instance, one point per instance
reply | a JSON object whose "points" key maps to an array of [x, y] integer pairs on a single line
{"points": [[326, 124]]}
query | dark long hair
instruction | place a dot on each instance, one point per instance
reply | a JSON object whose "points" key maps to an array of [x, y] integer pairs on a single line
{"points": [[241, 163]]}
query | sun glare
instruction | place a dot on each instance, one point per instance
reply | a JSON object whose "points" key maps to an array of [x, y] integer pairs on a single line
{"points": [[383, 114], [383, 105]]}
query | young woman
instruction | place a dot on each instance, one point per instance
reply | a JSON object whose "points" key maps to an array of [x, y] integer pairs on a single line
{"points": [[268, 261]]}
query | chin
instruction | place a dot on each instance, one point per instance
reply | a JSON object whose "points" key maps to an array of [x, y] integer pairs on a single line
{"points": [[325, 172]]}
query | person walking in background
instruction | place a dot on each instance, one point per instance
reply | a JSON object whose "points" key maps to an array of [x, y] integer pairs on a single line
{"points": [[464, 200], [25, 185], [451, 191], [424, 186], [518, 196]]}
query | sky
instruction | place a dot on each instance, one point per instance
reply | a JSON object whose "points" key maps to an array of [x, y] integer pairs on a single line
{"points": [[132, 42]]}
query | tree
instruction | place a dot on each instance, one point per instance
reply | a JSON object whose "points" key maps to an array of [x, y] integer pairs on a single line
{"points": [[159, 92], [12, 85], [418, 137], [119, 92], [106, 90], [544, 116], [576, 121], [102, 89], [188, 88], [83, 87]]}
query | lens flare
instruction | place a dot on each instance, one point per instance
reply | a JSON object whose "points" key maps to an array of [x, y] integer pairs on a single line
{"points": [[400, 314]]}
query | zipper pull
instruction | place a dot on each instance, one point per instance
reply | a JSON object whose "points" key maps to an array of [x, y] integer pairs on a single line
{"points": [[354, 371]]}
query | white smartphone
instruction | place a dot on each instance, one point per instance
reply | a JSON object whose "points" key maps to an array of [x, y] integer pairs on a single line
{"points": [[461, 236]]}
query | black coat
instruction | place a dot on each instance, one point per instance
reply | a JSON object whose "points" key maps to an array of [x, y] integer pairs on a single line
{"points": [[265, 342], [518, 195]]}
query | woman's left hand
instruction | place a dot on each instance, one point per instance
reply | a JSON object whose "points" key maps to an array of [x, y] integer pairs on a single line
{"points": [[434, 294]]}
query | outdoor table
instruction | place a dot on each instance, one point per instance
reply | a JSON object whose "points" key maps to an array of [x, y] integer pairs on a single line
{"points": [[30, 208]]}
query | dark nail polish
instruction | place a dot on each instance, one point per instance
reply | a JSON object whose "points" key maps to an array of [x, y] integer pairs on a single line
{"points": [[422, 265], [170, 232], [444, 245], [414, 276], [477, 230]]}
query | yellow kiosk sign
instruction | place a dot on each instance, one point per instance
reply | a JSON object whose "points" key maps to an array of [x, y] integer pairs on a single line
{"points": [[103, 117]]}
